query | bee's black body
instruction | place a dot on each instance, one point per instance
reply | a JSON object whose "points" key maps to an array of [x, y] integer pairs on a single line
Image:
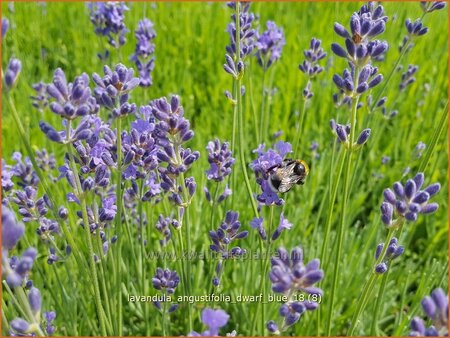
{"points": [[287, 174]]}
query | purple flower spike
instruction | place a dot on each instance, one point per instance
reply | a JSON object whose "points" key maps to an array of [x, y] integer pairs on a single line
{"points": [[214, 320], [165, 280], [108, 20], [310, 67], [436, 309], [12, 72], [5, 26], [145, 34], [12, 231], [409, 201], [220, 160], [363, 137], [269, 45]]}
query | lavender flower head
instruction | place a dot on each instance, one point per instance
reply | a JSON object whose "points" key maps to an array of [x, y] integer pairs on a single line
{"points": [[408, 77], [393, 251], [12, 72], [435, 308], [289, 276], [226, 234], [406, 202], [269, 45], [71, 100], [310, 67], [145, 34], [5, 26], [235, 63], [220, 160], [361, 47], [214, 320], [108, 19], [431, 6], [113, 89], [165, 280], [12, 231]]}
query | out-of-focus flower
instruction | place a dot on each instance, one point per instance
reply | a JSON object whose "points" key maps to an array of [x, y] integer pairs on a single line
{"points": [[12, 72], [12, 231], [269, 45], [145, 34], [408, 77], [431, 6], [435, 308], [108, 19], [214, 320], [290, 275], [5, 26]]}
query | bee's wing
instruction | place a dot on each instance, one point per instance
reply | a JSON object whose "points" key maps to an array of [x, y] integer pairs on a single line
{"points": [[288, 178]]}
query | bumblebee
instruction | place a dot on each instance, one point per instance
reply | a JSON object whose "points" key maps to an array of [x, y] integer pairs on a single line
{"points": [[287, 174]]}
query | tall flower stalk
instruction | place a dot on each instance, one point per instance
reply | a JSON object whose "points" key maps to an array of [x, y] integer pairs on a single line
{"points": [[241, 45], [361, 48]]}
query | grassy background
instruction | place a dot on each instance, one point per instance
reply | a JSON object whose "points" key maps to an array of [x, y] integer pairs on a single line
{"points": [[190, 47]]}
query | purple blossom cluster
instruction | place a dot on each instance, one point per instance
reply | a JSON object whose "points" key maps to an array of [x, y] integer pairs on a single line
{"points": [[343, 134], [393, 251], [222, 238], [221, 161], [235, 63], [5, 26], [12, 72], [406, 202], [112, 91], [165, 281], [108, 20], [435, 307], [214, 320], [163, 226], [142, 57], [16, 271], [289, 276], [361, 47], [431, 6], [408, 77], [310, 66], [269, 45]]}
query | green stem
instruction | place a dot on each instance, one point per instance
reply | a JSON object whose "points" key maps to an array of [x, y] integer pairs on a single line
{"points": [[374, 328], [93, 270], [299, 129], [262, 131], [331, 206], [119, 227], [342, 224], [362, 301]]}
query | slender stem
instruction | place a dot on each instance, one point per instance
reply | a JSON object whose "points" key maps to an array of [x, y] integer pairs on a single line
{"points": [[299, 129], [362, 301], [374, 328], [92, 265], [342, 224], [262, 119], [119, 226], [331, 206], [164, 313]]}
